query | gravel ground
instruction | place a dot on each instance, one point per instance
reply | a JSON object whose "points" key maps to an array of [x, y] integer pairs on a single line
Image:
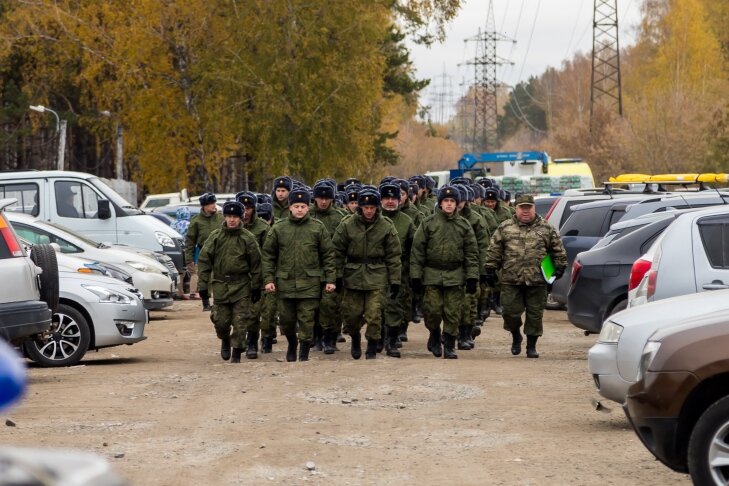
{"points": [[169, 411]]}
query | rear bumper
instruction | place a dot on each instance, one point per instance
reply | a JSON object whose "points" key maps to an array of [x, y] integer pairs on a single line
{"points": [[21, 320]]}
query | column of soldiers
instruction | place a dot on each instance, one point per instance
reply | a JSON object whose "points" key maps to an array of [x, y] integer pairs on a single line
{"points": [[331, 260]]}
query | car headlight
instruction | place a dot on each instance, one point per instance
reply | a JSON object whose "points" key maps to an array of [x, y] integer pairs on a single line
{"points": [[649, 352], [164, 239], [117, 273], [109, 296], [144, 268], [610, 332]]}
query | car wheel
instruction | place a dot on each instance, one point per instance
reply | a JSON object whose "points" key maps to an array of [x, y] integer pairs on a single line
{"points": [[708, 450], [553, 304], [622, 305], [44, 256], [68, 342]]}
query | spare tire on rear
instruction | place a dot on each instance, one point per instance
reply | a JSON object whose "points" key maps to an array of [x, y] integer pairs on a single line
{"points": [[44, 256]]}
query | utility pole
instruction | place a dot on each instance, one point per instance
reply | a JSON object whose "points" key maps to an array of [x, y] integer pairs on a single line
{"points": [[485, 123], [606, 84]]}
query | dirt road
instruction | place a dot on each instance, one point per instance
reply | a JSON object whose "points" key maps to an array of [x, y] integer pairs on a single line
{"points": [[182, 416]]}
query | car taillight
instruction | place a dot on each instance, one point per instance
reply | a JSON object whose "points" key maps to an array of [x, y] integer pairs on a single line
{"points": [[9, 237], [639, 269], [576, 267], [652, 277], [554, 204]]}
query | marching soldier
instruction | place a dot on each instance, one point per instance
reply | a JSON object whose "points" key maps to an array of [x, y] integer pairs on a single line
{"points": [[397, 311], [405, 205], [298, 261], [368, 259], [281, 188], [198, 232], [444, 258], [517, 248], [492, 203], [268, 300], [230, 265]]}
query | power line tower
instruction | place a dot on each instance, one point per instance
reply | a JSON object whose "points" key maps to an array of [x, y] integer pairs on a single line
{"points": [[485, 123], [441, 98], [605, 57]]}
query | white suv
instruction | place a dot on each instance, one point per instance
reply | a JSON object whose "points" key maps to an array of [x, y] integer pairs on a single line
{"points": [[28, 287]]}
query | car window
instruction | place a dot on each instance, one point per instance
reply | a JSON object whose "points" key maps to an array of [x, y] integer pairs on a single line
{"points": [[156, 203], [75, 200], [543, 206], [715, 238], [26, 194], [568, 210], [39, 237], [586, 222], [616, 216]]}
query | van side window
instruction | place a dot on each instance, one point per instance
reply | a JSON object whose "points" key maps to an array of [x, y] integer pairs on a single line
{"points": [[26, 194], [715, 237], [75, 200]]}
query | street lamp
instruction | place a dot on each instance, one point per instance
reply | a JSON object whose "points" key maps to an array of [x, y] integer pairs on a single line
{"points": [[60, 132], [119, 143]]}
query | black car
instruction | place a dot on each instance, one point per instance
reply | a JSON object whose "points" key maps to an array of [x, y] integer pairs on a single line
{"points": [[587, 224], [600, 276]]}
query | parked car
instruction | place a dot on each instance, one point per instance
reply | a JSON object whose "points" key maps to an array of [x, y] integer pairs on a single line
{"points": [[156, 200], [614, 359], [85, 204], [170, 210], [148, 275], [679, 407], [28, 287], [94, 312], [676, 200], [543, 204], [691, 256], [600, 276]]}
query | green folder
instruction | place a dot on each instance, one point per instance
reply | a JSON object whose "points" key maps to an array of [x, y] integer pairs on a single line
{"points": [[548, 269]]}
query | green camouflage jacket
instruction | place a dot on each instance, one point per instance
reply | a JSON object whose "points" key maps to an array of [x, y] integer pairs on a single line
{"points": [[405, 233], [331, 217], [259, 229], [199, 230], [480, 230]]}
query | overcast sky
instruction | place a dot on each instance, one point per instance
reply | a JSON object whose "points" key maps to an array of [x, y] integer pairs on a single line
{"points": [[546, 31]]}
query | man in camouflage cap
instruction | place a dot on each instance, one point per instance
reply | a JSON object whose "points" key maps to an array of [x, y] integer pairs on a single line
{"points": [[517, 248]]}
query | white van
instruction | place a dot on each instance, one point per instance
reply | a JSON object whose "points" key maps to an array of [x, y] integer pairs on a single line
{"points": [[85, 204]]}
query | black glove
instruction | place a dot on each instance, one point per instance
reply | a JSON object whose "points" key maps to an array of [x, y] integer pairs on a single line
{"points": [[394, 290], [416, 285], [471, 285], [558, 272], [489, 278], [204, 295], [255, 295]]}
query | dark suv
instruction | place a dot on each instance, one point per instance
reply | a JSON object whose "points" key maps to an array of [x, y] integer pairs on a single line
{"points": [[679, 406]]}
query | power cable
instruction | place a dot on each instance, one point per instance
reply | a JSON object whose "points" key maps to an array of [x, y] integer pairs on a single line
{"points": [[529, 43]]}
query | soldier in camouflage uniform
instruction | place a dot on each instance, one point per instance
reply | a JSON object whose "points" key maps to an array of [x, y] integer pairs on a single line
{"points": [[298, 261], [517, 248], [351, 200], [368, 262], [397, 311], [405, 205], [470, 303], [230, 265], [204, 223], [492, 204], [268, 300], [281, 188], [328, 321], [443, 259]]}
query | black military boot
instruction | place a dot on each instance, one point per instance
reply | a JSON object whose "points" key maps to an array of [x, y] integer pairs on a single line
{"points": [[496, 303], [484, 311], [356, 345], [340, 338], [266, 344], [469, 336], [206, 304], [235, 357], [330, 340], [516, 340], [318, 337], [291, 351], [475, 332], [462, 339], [380, 343], [252, 341], [532, 347], [225, 348], [434, 345], [371, 351], [404, 332], [448, 348], [304, 350], [392, 343]]}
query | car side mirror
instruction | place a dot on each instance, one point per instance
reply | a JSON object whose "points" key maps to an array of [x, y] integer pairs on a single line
{"points": [[104, 209]]}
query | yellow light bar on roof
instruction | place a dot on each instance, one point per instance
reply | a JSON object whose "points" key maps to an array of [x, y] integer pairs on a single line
{"points": [[629, 178], [669, 178]]}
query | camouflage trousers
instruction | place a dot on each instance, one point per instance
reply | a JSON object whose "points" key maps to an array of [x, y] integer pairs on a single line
{"points": [[301, 311], [363, 306], [237, 316], [397, 311], [443, 304], [268, 314], [515, 299], [469, 311], [329, 315]]}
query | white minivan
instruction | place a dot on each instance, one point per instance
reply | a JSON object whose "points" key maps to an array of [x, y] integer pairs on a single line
{"points": [[85, 204]]}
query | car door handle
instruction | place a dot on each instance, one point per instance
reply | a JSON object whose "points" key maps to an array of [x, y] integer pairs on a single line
{"points": [[715, 285]]}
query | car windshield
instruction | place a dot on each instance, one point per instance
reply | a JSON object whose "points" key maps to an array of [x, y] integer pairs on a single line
{"points": [[68, 233], [114, 197]]}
